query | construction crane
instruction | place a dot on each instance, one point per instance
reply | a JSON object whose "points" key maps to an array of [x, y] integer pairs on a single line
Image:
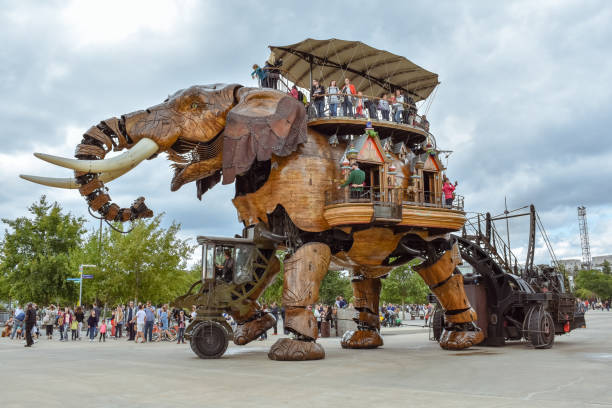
{"points": [[584, 237]]}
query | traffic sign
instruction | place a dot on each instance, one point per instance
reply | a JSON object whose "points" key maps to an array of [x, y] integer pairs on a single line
{"points": [[87, 276], [74, 279]]}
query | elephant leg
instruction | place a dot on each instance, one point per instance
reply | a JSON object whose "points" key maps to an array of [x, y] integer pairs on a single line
{"points": [[304, 271], [367, 295], [460, 331], [252, 323]]}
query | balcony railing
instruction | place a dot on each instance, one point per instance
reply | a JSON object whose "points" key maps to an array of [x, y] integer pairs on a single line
{"points": [[391, 197], [369, 104]]}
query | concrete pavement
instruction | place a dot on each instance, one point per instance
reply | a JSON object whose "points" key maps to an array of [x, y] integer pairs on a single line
{"points": [[409, 371]]}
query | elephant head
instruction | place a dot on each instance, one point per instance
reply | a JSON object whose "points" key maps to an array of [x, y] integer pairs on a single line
{"points": [[206, 131]]}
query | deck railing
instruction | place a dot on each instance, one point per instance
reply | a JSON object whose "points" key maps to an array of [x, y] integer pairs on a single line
{"points": [[392, 196], [369, 105]]}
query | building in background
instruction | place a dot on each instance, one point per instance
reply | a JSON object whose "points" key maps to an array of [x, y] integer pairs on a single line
{"points": [[575, 264]]}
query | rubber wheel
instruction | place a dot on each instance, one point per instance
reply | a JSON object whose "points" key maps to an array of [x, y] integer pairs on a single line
{"points": [[541, 329], [438, 324], [209, 340]]}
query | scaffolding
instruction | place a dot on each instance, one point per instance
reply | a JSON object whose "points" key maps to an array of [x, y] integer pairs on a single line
{"points": [[584, 238]]}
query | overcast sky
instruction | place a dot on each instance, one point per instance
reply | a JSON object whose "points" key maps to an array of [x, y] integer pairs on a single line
{"points": [[524, 102]]}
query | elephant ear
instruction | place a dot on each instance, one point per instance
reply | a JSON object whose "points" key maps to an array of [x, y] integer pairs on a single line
{"points": [[264, 122]]}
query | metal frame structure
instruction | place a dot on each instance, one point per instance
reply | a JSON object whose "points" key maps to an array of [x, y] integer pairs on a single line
{"points": [[584, 237]]}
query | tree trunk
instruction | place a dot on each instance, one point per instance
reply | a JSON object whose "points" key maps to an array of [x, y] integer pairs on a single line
{"points": [[403, 310]]}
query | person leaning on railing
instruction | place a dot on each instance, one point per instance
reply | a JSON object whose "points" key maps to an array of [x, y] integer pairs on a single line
{"points": [[348, 90], [260, 74], [398, 106], [272, 70], [355, 180], [383, 105]]}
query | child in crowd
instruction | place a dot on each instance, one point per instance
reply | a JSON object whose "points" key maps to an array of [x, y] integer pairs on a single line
{"points": [[74, 326], [102, 332], [359, 106]]}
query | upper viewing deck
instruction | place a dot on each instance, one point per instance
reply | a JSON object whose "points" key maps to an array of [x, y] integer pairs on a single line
{"points": [[367, 103]]}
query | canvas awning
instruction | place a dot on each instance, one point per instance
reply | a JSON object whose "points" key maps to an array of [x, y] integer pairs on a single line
{"points": [[372, 71]]}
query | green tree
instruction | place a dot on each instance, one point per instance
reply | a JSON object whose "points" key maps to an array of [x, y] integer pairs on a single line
{"points": [[148, 263], [35, 256], [404, 285], [335, 283], [606, 267], [596, 282]]}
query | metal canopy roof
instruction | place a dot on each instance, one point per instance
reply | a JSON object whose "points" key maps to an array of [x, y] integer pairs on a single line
{"points": [[372, 71]]}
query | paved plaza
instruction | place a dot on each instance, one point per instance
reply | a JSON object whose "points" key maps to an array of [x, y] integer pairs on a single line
{"points": [[409, 371]]}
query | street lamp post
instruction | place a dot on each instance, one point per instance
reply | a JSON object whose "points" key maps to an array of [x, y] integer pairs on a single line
{"points": [[81, 280]]}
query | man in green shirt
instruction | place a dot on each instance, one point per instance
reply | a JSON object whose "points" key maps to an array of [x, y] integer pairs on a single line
{"points": [[355, 181]]}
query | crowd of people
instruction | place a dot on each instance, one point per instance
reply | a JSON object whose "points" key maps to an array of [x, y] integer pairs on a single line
{"points": [[137, 321], [595, 304], [345, 100]]}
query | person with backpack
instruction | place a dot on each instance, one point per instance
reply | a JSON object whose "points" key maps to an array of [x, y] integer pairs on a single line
{"points": [[49, 320], [19, 321], [30, 322], [79, 316]]}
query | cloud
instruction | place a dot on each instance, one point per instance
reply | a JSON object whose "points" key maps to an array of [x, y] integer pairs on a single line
{"points": [[523, 102]]}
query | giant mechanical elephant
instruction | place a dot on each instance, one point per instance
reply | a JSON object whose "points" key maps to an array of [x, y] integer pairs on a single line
{"points": [[258, 139]]}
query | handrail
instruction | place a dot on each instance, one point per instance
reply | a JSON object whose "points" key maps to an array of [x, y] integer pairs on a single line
{"points": [[392, 196], [486, 236], [411, 108]]}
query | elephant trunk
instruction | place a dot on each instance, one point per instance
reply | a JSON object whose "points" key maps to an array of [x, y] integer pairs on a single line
{"points": [[96, 143]]}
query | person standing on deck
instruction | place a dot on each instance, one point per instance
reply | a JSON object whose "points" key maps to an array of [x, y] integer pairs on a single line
{"points": [[318, 97], [398, 105], [355, 181], [383, 105], [348, 90], [332, 98], [448, 190]]}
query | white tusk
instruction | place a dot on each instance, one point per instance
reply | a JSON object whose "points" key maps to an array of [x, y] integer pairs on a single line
{"points": [[71, 183], [128, 160], [67, 182]]}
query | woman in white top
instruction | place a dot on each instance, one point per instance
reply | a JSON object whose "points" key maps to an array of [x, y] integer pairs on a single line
{"points": [[332, 99]]}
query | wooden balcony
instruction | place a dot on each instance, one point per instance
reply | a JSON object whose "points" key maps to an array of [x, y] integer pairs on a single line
{"points": [[345, 125], [374, 207]]}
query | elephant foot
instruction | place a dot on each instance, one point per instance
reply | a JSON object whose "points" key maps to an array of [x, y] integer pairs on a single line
{"points": [[296, 350], [361, 339], [461, 337], [249, 331]]}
